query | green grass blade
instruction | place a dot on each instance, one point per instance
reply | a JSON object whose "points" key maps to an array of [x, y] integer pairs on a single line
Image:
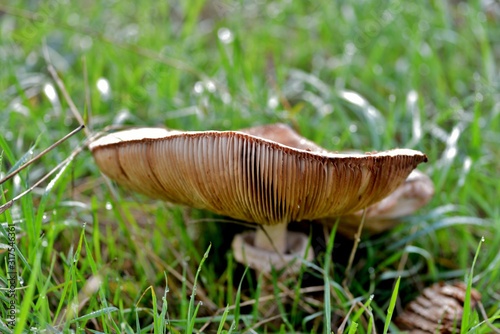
{"points": [[237, 301], [467, 301], [191, 310], [326, 280], [95, 314], [353, 328], [27, 301], [223, 320], [359, 312], [392, 305]]}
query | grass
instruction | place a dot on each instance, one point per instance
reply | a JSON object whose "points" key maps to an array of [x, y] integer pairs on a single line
{"points": [[92, 257]]}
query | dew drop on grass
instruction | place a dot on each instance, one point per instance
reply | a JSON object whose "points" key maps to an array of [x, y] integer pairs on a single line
{"points": [[21, 281], [50, 92], [482, 239], [210, 85], [354, 98], [273, 102], [109, 206], [465, 171], [412, 97], [45, 243], [451, 144], [103, 88], [17, 181], [225, 35], [198, 87]]}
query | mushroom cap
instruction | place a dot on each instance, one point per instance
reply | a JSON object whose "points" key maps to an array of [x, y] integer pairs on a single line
{"points": [[415, 192], [248, 177]]}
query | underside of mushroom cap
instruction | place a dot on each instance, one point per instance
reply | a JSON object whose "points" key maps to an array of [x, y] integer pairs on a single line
{"points": [[415, 192], [248, 177]]}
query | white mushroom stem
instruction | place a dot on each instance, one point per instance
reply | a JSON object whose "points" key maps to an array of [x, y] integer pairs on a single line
{"points": [[272, 238], [262, 260]]}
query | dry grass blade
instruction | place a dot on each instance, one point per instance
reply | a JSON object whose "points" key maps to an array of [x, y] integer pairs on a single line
{"points": [[9, 204], [6, 206], [61, 86], [486, 320], [341, 328], [48, 149], [70, 312], [357, 239]]}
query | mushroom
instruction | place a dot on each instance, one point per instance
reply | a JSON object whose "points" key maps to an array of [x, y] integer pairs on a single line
{"points": [[266, 175]]}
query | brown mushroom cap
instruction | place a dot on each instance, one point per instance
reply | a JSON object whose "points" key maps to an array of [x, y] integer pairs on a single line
{"points": [[415, 192], [246, 177]]}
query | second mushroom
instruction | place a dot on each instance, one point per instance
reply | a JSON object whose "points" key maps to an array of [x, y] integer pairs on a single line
{"points": [[266, 175]]}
